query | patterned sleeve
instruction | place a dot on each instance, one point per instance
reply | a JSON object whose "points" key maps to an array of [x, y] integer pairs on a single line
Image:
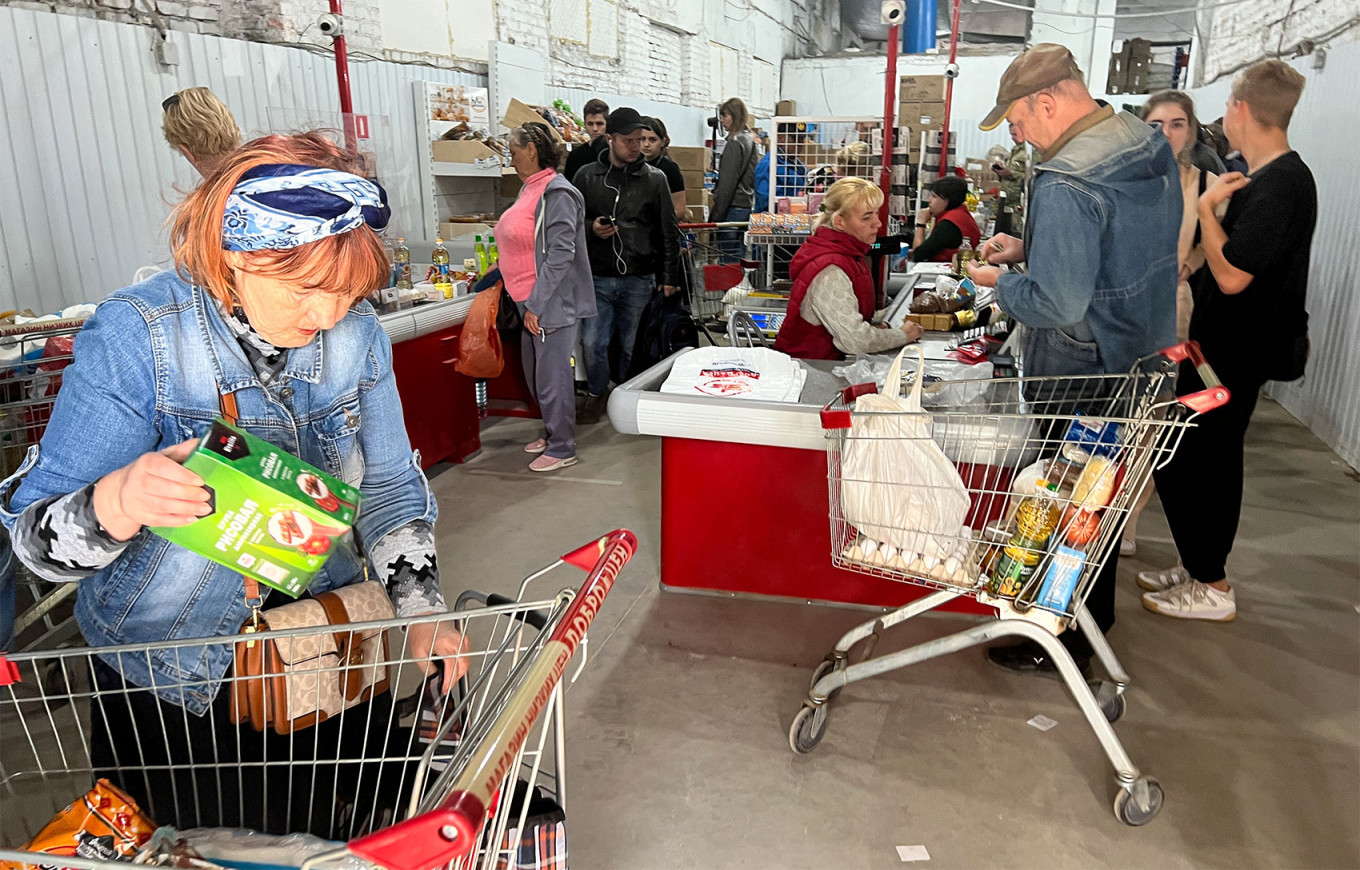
{"points": [[60, 539], [406, 564]]}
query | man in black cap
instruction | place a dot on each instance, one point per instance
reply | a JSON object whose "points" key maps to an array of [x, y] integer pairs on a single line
{"points": [[634, 245], [1100, 243]]}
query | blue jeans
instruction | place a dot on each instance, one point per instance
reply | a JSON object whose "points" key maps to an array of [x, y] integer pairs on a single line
{"points": [[618, 310], [730, 240]]}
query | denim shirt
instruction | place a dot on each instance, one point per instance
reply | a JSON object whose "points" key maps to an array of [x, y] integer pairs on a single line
{"points": [[1100, 240], [146, 376]]}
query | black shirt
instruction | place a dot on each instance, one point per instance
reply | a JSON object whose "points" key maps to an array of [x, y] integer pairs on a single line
{"points": [[675, 179], [584, 155], [1269, 224], [942, 238]]}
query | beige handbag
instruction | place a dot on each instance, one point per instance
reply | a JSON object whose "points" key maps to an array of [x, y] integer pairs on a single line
{"points": [[291, 683]]}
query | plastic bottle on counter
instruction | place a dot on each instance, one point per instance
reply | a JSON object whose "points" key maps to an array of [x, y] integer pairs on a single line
{"points": [[1004, 216], [1035, 519], [401, 261], [483, 262], [493, 254], [443, 280], [962, 256]]}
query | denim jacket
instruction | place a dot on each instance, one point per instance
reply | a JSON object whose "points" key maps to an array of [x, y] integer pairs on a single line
{"points": [[1100, 239], [146, 376]]}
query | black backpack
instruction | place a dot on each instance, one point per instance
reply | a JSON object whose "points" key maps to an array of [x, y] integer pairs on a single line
{"points": [[665, 327]]}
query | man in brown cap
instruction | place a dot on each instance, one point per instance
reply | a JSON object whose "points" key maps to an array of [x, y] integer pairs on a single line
{"points": [[1100, 244]]}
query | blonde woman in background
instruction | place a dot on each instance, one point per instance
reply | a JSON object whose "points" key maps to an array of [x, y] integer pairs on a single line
{"points": [[831, 310], [200, 126], [1173, 112]]}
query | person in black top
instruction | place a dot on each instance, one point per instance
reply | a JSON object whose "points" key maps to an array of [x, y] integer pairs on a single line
{"points": [[1257, 277], [947, 195], [595, 113], [654, 145]]}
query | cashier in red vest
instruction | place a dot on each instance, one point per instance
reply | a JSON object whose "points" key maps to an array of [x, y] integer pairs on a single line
{"points": [[953, 223], [831, 311]]}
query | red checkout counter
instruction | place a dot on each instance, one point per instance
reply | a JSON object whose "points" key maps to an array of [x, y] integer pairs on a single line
{"points": [[439, 404], [744, 498]]}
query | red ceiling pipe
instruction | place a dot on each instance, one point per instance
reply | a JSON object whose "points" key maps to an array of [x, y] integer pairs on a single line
{"points": [[949, 88]]}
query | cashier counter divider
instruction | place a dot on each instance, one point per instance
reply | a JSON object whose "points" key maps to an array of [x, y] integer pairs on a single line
{"points": [[744, 495]]}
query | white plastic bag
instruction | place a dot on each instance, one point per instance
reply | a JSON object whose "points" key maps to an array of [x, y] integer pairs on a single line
{"points": [[897, 486]]}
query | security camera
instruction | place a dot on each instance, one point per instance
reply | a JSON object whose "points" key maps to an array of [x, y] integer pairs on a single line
{"points": [[331, 25], [952, 71], [891, 12]]}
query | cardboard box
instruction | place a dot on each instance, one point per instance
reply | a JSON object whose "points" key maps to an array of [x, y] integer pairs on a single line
{"points": [[454, 229], [696, 214], [786, 108], [274, 517], [519, 113], [697, 196], [921, 115], [921, 89], [464, 151], [455, 104], [691, 159], [510, 184]]}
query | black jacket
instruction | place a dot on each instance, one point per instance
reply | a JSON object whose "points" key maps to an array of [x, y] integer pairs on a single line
{"points": [[638, 199], [582, 156]]}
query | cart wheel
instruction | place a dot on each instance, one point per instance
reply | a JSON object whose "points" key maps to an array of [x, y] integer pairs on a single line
{"points": [[1126, 809], [808, 727], [1114, 708], [826, 666]]}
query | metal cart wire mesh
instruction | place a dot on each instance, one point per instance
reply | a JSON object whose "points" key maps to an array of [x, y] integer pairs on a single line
{"points": [[1001, 435], [424, 781]]}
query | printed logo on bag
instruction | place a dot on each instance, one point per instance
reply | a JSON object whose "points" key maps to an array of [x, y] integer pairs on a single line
{"points": [[727, 379]]}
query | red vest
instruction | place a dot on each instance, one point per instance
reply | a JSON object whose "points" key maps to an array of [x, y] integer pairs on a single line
{"points": [[827, 247], [959, 217]]}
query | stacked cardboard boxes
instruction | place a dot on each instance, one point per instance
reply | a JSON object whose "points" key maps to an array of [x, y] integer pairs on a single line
{"points": [[920, 108], [1129, 68], [693, 162]]}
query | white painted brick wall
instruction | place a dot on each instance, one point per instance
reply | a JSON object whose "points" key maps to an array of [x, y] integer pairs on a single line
{"points": [[1238, 35]]}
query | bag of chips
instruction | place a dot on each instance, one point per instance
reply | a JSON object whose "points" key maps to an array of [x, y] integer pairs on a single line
{"points": [[104, 825]]}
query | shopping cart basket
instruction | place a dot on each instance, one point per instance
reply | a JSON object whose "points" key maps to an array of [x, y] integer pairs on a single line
{"points": [[407, 785], [32, 357], [1000, 434], [708, 273]]}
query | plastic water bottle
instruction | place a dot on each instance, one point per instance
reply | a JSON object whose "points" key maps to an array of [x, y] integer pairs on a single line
{"points": [[493, 253], [443, 281], [483, 260], [401, 261]]}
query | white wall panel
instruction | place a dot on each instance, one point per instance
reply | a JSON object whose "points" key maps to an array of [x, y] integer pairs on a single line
{"points": [[85, 176]]}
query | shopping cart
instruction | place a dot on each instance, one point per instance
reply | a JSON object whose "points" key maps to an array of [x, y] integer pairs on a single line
{"points": [[429, 780], [32, 357], [999, 435], [708, 273]]}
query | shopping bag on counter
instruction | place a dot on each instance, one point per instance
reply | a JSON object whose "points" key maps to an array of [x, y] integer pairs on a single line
{"points": [[897, 486], [479, 345]]}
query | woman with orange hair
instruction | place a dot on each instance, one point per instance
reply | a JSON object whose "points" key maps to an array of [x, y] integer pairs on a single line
{"points": [[265, 317]]}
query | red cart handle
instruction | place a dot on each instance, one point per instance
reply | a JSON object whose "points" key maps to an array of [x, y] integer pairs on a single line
{"points": [[450, 832], [1214, 395], [839, 417]]}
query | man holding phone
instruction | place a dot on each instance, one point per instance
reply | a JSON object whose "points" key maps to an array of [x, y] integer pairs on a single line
{"points": [[634, 245]]}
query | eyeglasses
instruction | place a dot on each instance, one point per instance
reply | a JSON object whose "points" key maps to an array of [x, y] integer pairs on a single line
{"points": [[169, 102]]}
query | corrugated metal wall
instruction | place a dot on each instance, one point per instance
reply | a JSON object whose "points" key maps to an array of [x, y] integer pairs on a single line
{"points": [[86, 181]]}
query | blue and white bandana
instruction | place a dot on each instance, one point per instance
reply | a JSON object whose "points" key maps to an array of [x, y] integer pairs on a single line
{"points": [[281, 206]]}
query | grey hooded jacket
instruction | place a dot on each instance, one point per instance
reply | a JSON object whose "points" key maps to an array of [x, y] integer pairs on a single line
{"points": [[564, 291]]}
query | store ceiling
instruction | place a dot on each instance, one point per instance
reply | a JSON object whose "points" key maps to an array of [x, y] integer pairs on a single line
{"points": [[988, 22]]}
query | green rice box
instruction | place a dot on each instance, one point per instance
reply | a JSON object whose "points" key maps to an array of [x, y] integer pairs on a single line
{"points": [[274, 517]]}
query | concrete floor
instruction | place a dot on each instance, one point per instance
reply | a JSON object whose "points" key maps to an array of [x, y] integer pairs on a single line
{"points": [[677, 730]]}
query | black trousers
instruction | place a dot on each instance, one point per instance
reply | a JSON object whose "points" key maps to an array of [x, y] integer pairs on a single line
{"points": [[202, 771], [1201, 488]]}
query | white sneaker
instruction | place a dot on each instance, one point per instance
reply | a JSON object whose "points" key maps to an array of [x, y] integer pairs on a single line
{"points": [[1193, 600], [1128, 547], [1160, 581]]}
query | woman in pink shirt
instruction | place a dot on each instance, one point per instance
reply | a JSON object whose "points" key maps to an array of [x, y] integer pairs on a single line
{"points": [[544, 264]]}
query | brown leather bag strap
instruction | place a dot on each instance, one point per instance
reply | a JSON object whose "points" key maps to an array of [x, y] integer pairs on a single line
{"points": [[350, 647], [227, 402]]}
